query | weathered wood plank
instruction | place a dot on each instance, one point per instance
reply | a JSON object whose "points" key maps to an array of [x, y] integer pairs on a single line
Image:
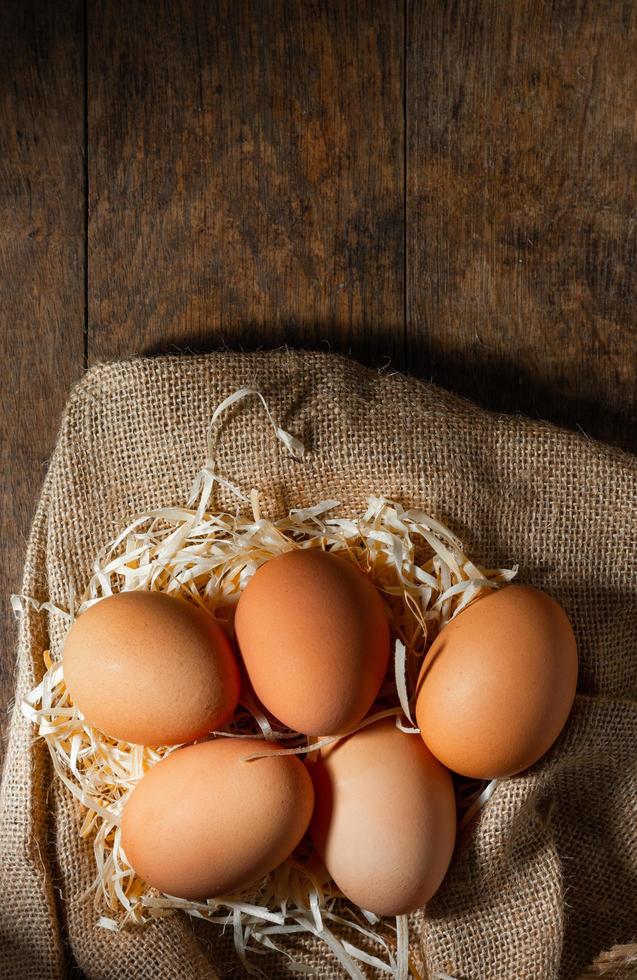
{"points": [[522, 203], [246, 176], [41, 263]]}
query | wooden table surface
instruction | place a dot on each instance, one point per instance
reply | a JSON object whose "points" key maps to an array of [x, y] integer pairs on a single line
{"points": [[449, 186]]}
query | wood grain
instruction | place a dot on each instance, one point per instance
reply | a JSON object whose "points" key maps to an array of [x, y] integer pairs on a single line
{"points": [[246, 180], [41, 264], [246, 176], [522, 204]]}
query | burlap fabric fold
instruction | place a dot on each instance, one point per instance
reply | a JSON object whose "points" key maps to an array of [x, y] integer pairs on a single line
{"points": [[548, 878]]}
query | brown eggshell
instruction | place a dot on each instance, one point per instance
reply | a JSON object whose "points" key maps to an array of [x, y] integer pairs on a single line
{"points": [[203, 822], [498, 683], [384, 819], [314, 637], [151, 669]]}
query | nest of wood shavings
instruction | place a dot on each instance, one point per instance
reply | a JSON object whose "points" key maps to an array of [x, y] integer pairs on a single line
{"points": [[425, 579]]}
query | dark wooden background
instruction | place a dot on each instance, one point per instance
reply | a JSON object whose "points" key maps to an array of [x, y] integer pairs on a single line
{"points": [[449, 185]]}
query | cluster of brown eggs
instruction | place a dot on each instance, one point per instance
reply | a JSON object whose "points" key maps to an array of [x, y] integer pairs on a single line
{"points": [[312, 650]]}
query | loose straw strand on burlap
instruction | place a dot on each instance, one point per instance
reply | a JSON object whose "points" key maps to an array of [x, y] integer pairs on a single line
{"points": [[619, 963]]}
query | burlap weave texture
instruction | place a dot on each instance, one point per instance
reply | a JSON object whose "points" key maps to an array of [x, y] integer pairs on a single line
{"points": [[548, 878]]}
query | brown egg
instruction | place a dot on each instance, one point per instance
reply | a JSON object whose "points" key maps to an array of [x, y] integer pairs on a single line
{"points": [[314, 637], [148, 668], [498, 683], [384, 819], [203, 822]]}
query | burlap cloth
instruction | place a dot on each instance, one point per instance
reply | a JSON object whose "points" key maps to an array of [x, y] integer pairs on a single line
{"points": [[549, 877]]}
